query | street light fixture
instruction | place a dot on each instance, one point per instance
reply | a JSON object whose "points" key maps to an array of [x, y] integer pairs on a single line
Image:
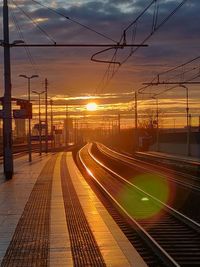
{"points": [[39, 93], [29, 119]]}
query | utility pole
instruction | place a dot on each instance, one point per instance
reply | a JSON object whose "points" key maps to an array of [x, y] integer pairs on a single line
{"points": [[119, 124], [29, 119], [46, 116], [7, 106], [66, 127], [188, 134], [136, 112], [75, 131], [183, 85], [40, 130], [136, 121], [40, 125], [52, 141], [157, 124]]}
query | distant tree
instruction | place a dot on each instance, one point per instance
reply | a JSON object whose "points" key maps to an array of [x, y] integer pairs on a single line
{"points": [[149, 120]]}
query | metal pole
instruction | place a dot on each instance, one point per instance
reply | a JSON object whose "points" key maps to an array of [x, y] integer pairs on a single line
{"points": [[187, 106], [29, 125], [40, 128], [119, 124], [136, 112], [75, 130], [40, 140], [157, 132], [188, 126], [7, 106], [46, 117], [157, 124], [29, 119], [187, 120], [136, 122], [188, 135], [51, 103], [66, 128]]}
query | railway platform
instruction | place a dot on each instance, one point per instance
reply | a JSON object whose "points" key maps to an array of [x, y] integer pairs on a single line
{"points": [[180, 158], [49, 216], [188, 163]]}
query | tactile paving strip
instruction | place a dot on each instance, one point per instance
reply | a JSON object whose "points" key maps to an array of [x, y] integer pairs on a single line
{"points": [[85, 250], [30, 243]]}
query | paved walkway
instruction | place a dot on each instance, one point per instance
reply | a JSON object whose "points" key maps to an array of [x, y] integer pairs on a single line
{"points": [[14, 195], [27, 192]]}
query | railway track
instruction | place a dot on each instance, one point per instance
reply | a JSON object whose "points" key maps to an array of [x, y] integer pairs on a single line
{"points": [[184, 188], [20, 152], [180, 178], [173, 237]]}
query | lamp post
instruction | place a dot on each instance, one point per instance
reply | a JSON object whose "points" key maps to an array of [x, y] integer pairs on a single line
{"points": [[29, 119], [187, 104], [187, 118], [67, 127], [39, 93], [157, 124], [52, 138], [46, 116], [136, 120]]}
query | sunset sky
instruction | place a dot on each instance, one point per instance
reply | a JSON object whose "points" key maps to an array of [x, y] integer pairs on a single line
{"points": [[71, 73]]}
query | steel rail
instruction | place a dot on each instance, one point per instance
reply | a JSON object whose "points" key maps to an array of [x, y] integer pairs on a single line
{"points": [[177, 214], [164, 256], [122, 157]]}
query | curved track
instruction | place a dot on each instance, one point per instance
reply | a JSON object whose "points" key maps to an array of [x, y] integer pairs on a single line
{"points": [[174, 237]]}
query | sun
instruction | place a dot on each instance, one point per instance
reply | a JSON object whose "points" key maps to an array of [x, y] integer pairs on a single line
{"points": [[91, 106]]}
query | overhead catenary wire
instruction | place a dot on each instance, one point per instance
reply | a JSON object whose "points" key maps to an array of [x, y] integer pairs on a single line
{"points": [[123, 36], [21, 36], [168, 89], [156, 26], [75, 21], [35, 23], [122, 40], [182, 75], [180, 65]]}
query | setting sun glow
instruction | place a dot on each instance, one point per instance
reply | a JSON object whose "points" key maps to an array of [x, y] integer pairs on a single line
{"points": [[91, 106]]}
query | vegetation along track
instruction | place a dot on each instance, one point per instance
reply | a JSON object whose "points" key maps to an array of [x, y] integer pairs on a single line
{"points": [[172, 236]]}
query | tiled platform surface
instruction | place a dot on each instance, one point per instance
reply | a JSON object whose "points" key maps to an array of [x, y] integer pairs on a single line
{"points": [[114, 246], [14, 195]]}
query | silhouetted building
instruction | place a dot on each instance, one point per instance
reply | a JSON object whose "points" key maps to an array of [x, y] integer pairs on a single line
{"points": [[68, 130], [20, 128]]}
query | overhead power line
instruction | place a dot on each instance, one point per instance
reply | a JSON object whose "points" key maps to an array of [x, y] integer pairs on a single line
{"points": [[21, 36], [170, 80], [155, 27], [75, 21], [35, 23], [180, 66]]}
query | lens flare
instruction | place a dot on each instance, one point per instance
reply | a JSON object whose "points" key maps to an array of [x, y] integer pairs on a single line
{"points": [[140, 205]]}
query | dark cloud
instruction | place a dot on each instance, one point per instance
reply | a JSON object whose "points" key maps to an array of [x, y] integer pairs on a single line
{"points": [[170, 45]]}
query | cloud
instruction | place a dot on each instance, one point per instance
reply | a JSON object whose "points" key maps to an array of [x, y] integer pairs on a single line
{"points": [[71, 71]]}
